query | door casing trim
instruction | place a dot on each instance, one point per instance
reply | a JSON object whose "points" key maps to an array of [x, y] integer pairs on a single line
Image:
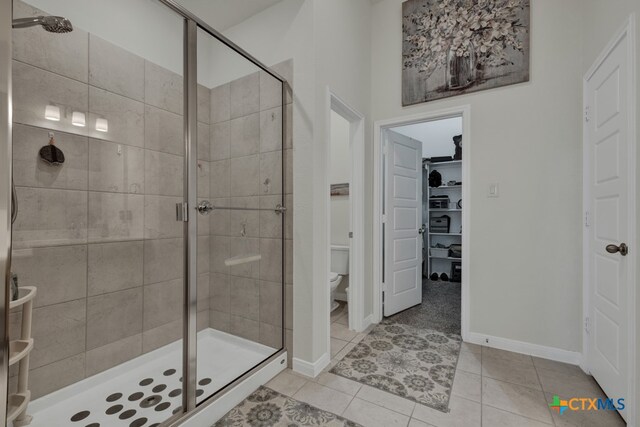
{"points": [[380, 126]]}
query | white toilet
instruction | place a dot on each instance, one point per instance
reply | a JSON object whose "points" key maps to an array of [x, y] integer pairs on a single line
{"points": [[339, 269]]}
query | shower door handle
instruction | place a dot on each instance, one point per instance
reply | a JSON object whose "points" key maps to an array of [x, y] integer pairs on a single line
{"points": [[205, 207]]}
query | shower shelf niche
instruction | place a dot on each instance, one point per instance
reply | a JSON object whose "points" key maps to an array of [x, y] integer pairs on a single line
{"points": [[19, 351]]}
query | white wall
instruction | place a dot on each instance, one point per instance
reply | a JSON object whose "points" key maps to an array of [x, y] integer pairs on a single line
{"points": [[600, 22], [339, 173], [525, 273], [436, 136]]}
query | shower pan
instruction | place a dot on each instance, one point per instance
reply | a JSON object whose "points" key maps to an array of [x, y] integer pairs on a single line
{"points": [[157, 248]]}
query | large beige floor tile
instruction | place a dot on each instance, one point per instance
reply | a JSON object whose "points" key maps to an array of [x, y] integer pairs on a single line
{"points": [[494, 417], [463, 413], [339, 383], [323, 397], [510, 371], [342, 332], [470, 362], [336, 346], [515, 398], [508, 356], [552, 365], [287, 383], [386, 400], [565, 384], [417, 423], [371, 415], [467, 385]]}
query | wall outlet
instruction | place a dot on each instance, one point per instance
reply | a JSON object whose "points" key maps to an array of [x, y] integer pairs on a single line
{"points": [[494, 190]]}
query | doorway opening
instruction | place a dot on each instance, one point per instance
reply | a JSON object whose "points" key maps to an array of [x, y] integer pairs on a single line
{"points": [[421, 221], [345, 228]]}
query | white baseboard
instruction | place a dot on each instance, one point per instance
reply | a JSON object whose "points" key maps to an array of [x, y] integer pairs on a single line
{"points": [[311, 369], [368, 321], [551, 353]]}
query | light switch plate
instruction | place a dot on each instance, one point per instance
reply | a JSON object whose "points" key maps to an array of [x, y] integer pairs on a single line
{"points": [[494, 190]]}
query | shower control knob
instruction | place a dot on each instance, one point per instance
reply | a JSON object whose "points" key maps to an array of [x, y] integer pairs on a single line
{"points": [[205, 207]]}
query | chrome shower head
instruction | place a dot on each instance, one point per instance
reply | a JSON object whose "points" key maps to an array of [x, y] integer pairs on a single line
{"points": [[53, 24]]}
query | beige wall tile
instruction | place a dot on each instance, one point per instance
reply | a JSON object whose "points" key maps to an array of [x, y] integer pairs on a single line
{"points": [[160, 217], [245, 95], [114, 267], [163, 88], [220, 220], [220, 321], [204, 141], [270, 222], [204, 254], [219, 292], [115, 168], [59, 273], [115, 217], [244, 297], [114, 316], [220, 250], [220, 179], [63, 222], [30, 171], [115, 69], [55, 376], [164, 131], [243, 246], [271, 173], [163, 173], [270, 91], [58, 332], [271, 262], [271, 303], [125, 117], [220, 103], [244, 177], [35, 88], [204, 222], [271, 130], [244, 328], [220, 138], [65, 55], [244, 223], [162, 335], [245, 135], [162, 303], [204, 104], [105, 357], [163, 260], [271, 335], [203, 293], [204, 181]]}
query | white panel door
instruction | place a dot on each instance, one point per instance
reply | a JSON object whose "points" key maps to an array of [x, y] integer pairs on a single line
{"points": [[403, 241], [607, 123]]}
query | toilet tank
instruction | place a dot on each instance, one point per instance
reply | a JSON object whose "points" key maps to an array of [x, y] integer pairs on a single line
{"points": [[340, 259]]}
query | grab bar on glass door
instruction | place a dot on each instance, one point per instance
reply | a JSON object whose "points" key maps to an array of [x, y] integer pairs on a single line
{"points": [[205, 207]]}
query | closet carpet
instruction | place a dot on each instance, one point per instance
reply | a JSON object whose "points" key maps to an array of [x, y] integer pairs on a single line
{"points": [[440, 308]]}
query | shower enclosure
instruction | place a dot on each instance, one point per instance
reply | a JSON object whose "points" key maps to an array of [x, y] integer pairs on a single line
{"points": [[157, 247]]}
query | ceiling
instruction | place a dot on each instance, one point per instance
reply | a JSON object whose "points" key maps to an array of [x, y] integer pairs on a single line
{"points": [[224, 14]]}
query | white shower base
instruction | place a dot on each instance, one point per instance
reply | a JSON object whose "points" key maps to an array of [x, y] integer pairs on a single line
{"points": [[221, 359]]}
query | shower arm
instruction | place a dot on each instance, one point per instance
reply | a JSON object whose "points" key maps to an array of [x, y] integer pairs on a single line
{"points": [[27, 22]]}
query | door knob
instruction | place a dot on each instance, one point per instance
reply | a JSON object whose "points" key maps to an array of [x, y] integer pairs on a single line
{"points": [[623, 249], [422, 229]]}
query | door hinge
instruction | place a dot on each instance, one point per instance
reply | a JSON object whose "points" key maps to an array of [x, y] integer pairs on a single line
{"points": [[182, 212], [383, 297], [587, 325], [587, 218], [587, 114]]}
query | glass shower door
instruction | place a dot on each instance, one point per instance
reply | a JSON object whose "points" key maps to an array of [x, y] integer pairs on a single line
{"points": [[96, 235], [240, 243]]}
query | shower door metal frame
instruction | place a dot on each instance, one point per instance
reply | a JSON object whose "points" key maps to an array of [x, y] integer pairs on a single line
{"points": [[190, 205], [6, 16]]}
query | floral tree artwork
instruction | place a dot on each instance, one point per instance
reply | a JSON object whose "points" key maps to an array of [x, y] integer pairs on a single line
{"points": [[453, 47]]}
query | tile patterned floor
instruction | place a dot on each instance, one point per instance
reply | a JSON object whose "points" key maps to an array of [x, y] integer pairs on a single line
{"points": [[492, 388]]}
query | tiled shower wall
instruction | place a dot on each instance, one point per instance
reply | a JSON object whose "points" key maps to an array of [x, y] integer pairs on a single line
{"points": [[247, 171], [98, 235]]}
